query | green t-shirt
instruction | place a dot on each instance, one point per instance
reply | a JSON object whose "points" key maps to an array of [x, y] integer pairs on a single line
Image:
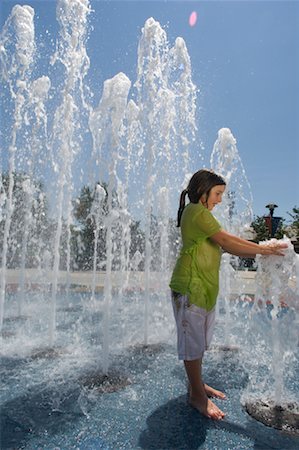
{"points": [[196, 272]]}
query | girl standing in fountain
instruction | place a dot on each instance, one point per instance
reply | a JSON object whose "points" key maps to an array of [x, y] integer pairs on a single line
{"points": [[195, 280]]}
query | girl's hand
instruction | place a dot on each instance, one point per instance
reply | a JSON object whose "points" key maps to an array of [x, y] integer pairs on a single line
{"points": [[273, 249]]}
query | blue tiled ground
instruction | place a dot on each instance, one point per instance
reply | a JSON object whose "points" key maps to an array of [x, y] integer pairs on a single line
{"points": [[149, 413]]}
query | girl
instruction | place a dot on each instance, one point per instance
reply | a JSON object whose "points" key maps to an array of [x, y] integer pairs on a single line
{"points": [[195, 279]]}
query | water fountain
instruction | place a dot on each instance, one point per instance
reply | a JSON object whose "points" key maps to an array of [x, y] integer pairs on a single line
{"points": [[276, 282], [276, 307], [68, 340], [125, 137], [235, 214]]}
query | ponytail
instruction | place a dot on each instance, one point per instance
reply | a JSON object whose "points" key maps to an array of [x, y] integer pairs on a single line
{"points": [[182, 206]]}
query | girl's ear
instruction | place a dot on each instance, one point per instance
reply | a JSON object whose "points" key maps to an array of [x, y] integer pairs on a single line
{"points": [[203, 199]]}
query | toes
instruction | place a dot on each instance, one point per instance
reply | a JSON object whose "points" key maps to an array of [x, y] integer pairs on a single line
{"points": [[221, 395]]}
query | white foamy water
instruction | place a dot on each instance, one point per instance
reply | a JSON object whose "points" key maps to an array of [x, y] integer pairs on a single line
{"points": [[275, 327], [17, 48], [236, 210], [138, 138], [235, 214]]}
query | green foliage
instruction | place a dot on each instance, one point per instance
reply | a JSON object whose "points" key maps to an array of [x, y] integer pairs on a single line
{"points": [[90, 225], [295, 221], [137, 238], [83, 233], [260, 228], [30, 229], [262, 232], [31, 234]]}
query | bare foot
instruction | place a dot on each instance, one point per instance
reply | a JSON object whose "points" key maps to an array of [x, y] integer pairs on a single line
{"points": [[207, 408], [211, 392]]}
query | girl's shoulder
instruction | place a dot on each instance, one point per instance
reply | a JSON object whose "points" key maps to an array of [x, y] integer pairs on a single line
{"points": [[197, 213], [195, 209], [200, 218]]}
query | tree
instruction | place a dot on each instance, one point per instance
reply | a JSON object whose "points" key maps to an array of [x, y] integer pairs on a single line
{"points": [[137, 242], [30, 232], [262, 232], [90, 220], [295, 223], [83, 232]]}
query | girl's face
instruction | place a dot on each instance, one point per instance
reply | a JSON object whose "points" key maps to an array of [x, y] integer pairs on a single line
{"points": [[214, 198]]}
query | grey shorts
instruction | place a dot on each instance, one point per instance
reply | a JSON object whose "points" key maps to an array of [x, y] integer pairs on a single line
{"points": [[195, 327]]}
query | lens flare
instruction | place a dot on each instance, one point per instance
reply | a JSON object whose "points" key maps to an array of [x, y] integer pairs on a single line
{"points": [[193, 19]]}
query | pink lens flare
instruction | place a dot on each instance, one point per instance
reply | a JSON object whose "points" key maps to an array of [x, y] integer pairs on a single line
{"points": [[193, 19]]}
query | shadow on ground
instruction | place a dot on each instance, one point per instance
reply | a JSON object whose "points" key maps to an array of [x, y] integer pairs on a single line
{"points": [[263, 438], [175, 425]]}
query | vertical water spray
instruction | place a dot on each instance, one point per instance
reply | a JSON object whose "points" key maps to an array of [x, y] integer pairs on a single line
{"points": [[133, 149], [166, 101], [235, 210], [163, 232], [140, 147], [37, 122], [28, 190], [96, 214], [17, 53], [105, 123], [234, 213], [185, 92], [276, 302], [272, 287], [71, 53], [129, 133], [151, 84]]}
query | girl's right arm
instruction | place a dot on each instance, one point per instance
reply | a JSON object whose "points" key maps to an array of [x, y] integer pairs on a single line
{"points": [[243, 248]]}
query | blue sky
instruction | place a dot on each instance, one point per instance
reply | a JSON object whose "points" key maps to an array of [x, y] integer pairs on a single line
{"points": [[245, 62]]}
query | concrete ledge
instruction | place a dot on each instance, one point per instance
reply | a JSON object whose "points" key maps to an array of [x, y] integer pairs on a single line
{"points": [[131, 280]]}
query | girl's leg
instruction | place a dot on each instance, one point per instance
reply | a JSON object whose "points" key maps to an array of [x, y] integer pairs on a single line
{"points": [[193, 322], [198, 397], [209, 327]]}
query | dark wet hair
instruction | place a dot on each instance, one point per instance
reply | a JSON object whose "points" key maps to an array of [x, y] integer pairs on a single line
{"points": [[200, 184]]}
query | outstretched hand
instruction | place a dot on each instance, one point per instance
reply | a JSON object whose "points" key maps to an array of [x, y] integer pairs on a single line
{"points": [[273, 248]]}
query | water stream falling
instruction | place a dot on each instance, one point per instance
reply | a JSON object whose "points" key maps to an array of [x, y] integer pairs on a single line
{"points": [[235, 214], [166, 100], [71, 53], [269, 397], [96, 214], [137, 139], [105, 123], [18, 37]]}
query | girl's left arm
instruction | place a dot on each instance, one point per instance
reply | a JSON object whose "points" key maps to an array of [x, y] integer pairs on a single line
{"points": [[243, 248]]}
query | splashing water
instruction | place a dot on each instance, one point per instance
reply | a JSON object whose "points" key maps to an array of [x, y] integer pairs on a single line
{"points": [[236, 209], [270, 396], [96, 215], [136, 148], [234, 213], [17, 52], [276, 284], [166, 98]]}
